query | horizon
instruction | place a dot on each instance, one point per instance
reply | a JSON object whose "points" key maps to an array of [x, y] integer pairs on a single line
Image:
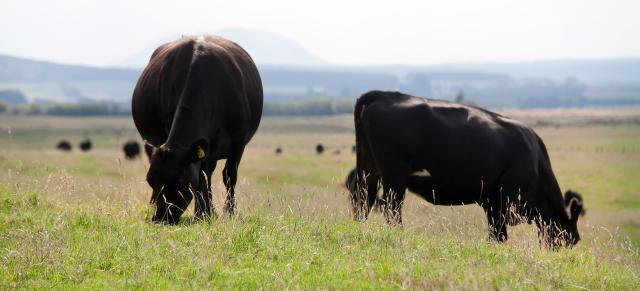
{"points": [[355, 66], [491, 32]]}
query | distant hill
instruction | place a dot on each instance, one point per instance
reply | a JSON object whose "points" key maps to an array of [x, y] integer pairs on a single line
{"points": [[47, 81], [587, 71], [266, 48], [497, 85], [23, 70]]}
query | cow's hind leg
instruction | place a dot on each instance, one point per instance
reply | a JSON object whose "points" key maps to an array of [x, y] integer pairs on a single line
{"points": [[367, 177], [230, 177], [203, 201], [498, 207], [394, 182], [366, 194]]}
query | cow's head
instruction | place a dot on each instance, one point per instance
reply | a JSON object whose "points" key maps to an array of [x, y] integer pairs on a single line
{"points": [[574, 205], [565, 230], [174, 176]]}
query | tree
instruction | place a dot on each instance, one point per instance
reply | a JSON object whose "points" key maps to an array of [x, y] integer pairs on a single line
{"points": [[34, 109], [459, 97], [12, 97]]}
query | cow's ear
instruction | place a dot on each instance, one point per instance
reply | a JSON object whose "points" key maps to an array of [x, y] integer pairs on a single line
{"points": [[574, 203], [149, 148], [199, 150]]}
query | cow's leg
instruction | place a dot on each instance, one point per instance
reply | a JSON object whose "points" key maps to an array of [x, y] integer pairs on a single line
{"points": [[366, 194], [394, 182], [372, 194], [230, 177], [496, 217], [368, 179], [506, 206], [204, 202], [496, 208]]}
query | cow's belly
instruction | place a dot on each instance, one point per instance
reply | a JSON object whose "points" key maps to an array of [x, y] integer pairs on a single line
{"points": [[449, 192]]}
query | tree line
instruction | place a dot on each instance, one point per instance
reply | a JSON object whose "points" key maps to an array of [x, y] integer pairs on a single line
{"points": [[307, 107], [68, 109]]}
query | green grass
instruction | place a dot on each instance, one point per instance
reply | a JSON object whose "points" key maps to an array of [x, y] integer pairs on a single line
{"points": [[47, 244], [82, 221]]}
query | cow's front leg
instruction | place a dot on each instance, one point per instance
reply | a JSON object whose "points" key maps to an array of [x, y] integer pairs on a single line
{"points": [[230, 177], [204, 201], [496, 217]]}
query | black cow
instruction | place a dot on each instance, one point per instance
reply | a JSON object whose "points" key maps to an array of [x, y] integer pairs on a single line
{"points": [[64, 145], [278, 150], [86, 145], [198, 100], [131, 149], [319, 149], [471, 155]]}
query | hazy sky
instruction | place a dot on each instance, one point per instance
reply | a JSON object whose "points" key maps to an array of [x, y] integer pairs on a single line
{"points": [[338, 31]]}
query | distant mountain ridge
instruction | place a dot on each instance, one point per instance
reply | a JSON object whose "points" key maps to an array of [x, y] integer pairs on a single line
{"points": [[21, 70], [620, 70], [266, 48], [490, 84], [627, 70]]}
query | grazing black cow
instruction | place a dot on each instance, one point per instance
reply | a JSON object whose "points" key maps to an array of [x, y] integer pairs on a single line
{"points": [[131, 149], [471, 155], [64, 145], [353, 149], [319, 149], [278, 150], [86, 145], [198, 100]]}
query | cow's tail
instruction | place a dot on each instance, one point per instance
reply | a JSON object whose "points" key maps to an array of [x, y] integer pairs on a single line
{"points": [[362, 144], [364, 157]]}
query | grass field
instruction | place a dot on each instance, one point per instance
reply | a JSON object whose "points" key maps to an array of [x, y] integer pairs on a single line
{"points": [[82, 220]]}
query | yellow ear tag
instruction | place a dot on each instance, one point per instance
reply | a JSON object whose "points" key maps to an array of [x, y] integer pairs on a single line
{"points": [[200, 153]]}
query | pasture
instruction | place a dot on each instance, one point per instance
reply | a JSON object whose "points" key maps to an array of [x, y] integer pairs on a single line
{"points": [[82, 219]]}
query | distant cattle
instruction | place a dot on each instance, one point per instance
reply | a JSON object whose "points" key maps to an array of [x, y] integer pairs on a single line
{"points": [[85, 145], [353, 149], [64, 145], [198, 100], [278, 150], [471, 155], [319, 149], [131, 149], [336, 152]]}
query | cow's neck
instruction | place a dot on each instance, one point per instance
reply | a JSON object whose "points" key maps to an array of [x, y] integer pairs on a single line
{"points": [[555, 199]]}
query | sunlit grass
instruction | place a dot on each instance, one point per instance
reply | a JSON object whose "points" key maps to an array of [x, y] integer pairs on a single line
{"points": [[49, 244], [82, 220]]}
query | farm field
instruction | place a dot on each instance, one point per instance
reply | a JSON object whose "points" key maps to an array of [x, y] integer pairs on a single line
{"points": [[82, 220]]}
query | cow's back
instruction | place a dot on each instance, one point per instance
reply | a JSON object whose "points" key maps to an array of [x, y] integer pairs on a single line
{"points": [[227, 77], [444, 137], [157, 91]]}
